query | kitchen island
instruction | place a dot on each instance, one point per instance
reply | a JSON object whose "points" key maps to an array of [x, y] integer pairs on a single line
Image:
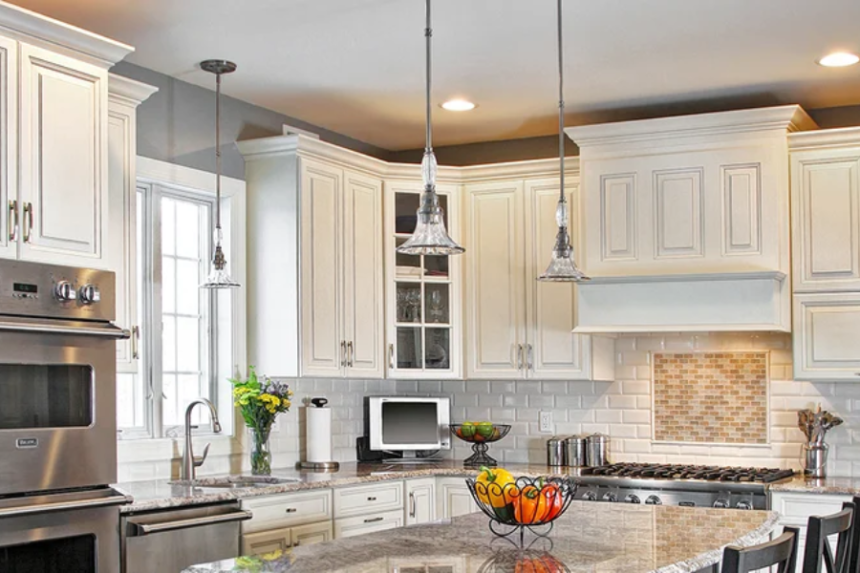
{"points": [[604, 537]]}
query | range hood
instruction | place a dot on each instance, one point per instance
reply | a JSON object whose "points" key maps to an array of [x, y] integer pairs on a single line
{"points": [[684, 222]]}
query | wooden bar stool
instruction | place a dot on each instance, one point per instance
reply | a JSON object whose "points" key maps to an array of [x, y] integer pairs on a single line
{"points": [[854, 553], [818, 549], [781, 552]]}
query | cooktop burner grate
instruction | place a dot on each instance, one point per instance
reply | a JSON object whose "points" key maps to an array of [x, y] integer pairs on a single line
{"points": [[682, 472]]}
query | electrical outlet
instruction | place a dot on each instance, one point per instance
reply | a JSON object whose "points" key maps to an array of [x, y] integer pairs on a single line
{"points": [[545, 422]]}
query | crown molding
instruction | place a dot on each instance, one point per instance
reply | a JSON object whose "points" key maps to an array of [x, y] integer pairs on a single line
{"points": [[303, 146], [782, 119], [44, 30], [824, 139], [127, 90]]}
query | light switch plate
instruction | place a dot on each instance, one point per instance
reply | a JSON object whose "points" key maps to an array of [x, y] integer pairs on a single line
{"points": [[545, 422]]}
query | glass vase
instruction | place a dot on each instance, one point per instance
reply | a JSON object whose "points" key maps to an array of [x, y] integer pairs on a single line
{"points": [[261, 454]]}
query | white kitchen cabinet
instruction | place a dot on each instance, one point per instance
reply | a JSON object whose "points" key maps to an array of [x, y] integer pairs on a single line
{"points": [[365, 499], [827, 336], [420, 500], [287, 510], [690, 208], [453, 498], [284, 538], [63, 178], [124, 95], [517, 327], [10, 214], [370, 523], [315, 262], [424, 317], [795, 509]]}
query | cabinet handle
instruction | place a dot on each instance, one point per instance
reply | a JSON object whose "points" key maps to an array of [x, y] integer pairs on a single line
{"points": [[13, 215], [374, 519], [412, 507], [291, 510], [350, 354], [371, 499], [343, 353], [391, 356], [530, 364], [519, 356], [28, 222], [135, 342]]}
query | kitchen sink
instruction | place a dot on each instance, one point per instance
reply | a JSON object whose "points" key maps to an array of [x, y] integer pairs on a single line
{"points": [[235, 482]]}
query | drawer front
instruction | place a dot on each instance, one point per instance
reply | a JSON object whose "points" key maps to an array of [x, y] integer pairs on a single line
{"points": [[367, 499], [796, 509], [266, 542], [277, 511], [352, 526]]}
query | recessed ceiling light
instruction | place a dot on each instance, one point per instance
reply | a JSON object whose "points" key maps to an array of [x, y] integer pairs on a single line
{"points": [[839, 59], [458, 105]]}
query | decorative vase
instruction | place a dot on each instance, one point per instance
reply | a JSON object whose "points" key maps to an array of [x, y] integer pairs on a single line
{"points": [[261, 455]]}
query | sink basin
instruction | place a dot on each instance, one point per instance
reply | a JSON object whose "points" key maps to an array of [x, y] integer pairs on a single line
{"points": [[234, 482]]}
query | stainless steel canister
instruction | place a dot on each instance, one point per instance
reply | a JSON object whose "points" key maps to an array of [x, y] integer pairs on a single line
{"points": [[597, 450], [555, 451], [575, 448]]}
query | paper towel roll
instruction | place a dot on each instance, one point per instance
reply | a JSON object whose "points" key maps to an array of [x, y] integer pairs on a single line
{"points": [[318, 435]]}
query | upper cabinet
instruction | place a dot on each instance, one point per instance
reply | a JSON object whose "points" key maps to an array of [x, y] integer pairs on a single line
{"points": [[517, 327], [691, 209], [54, 140], [825, 216], [423, 293], [315, 260]]}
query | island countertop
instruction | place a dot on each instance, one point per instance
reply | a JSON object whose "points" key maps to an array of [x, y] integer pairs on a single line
{"points": [[593, 537]]}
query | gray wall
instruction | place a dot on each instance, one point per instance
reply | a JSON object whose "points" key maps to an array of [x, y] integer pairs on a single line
{"points": [[177, 124]]}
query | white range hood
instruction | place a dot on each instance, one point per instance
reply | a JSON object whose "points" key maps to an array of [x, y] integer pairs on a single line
{"points": [[684, 222]]}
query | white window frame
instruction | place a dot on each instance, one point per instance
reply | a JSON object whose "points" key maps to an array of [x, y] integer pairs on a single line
{"points": [[230, 348]]}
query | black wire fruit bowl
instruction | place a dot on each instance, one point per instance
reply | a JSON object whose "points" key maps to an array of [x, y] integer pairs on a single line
{"points": [[479, 435], [522, 503]]}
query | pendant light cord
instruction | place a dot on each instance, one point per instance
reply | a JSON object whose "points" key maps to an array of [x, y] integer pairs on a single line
{"points": [[218, 151], [428, 35], [560, 102]]}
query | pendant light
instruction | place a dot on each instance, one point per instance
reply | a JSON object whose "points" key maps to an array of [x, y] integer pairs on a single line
{"points": [[218, 277], [430, 236], [562, 267]]}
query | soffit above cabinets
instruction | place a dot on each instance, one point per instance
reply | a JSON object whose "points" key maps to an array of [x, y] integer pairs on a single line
{"points": [[684, 222]]}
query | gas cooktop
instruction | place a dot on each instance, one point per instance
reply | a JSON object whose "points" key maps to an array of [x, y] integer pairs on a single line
{"points": [[685, 472]]}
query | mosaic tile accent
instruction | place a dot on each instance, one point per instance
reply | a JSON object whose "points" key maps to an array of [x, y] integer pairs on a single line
{"points": [[712, 397]]}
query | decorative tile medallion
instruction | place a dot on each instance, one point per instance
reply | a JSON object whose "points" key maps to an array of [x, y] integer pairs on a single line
{"points": [[713, 397]]}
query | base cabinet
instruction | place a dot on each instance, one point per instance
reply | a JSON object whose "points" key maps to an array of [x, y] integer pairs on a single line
{"points": [[420, 501], [453, 498], [795, 509], [282, 539]]}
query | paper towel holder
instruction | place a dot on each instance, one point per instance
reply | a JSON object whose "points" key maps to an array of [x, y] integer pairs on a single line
{"points": [[318, 466]]}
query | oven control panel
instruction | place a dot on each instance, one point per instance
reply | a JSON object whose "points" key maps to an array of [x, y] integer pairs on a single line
{"points": [[53, 291], [716, 498]]}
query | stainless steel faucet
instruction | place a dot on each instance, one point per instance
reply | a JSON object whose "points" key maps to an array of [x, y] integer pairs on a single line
{"points": [[189, 462]]}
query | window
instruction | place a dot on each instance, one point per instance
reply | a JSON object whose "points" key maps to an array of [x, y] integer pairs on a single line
{"points": [[186, 348]]}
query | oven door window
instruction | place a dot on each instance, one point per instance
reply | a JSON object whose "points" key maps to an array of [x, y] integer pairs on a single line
{"points": [[67, 555], [45, 396]]}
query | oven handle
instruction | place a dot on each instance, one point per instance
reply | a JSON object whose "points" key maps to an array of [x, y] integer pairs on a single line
{"points": [[45, 328], [150, 528], [64, 506]]}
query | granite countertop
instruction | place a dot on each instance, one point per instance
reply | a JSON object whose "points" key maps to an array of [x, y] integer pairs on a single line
{"points": [[161, 494], [831, 485], [610, 538]]}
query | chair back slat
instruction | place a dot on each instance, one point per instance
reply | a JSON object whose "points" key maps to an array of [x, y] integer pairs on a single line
{"points": [[818, 556], [854, 552], [781, 552]]}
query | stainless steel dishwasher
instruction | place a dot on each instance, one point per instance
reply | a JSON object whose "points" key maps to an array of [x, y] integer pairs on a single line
{"points": [[168, 541]]}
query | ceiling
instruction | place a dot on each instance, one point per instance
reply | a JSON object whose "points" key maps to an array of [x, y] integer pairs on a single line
{"points": [[356, 66]]}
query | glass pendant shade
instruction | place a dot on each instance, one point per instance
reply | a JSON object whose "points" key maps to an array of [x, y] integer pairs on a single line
{"points": [[218, 276], [430, 236]]}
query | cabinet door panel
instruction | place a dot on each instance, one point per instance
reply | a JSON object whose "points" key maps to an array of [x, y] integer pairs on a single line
{"points": [[555, 351], [826, 207], [453, 498], [312, 534], [827, 336], [420, 501], [363, 289], [10, 206], [323, 343], [266, 542], [495, 290], [63, 143]]}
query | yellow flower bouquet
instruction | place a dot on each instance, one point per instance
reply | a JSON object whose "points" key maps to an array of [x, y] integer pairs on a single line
{"points": [[260, 401]]}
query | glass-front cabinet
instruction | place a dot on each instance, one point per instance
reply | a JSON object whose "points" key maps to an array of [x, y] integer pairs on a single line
{"points": [[424, 324]]}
